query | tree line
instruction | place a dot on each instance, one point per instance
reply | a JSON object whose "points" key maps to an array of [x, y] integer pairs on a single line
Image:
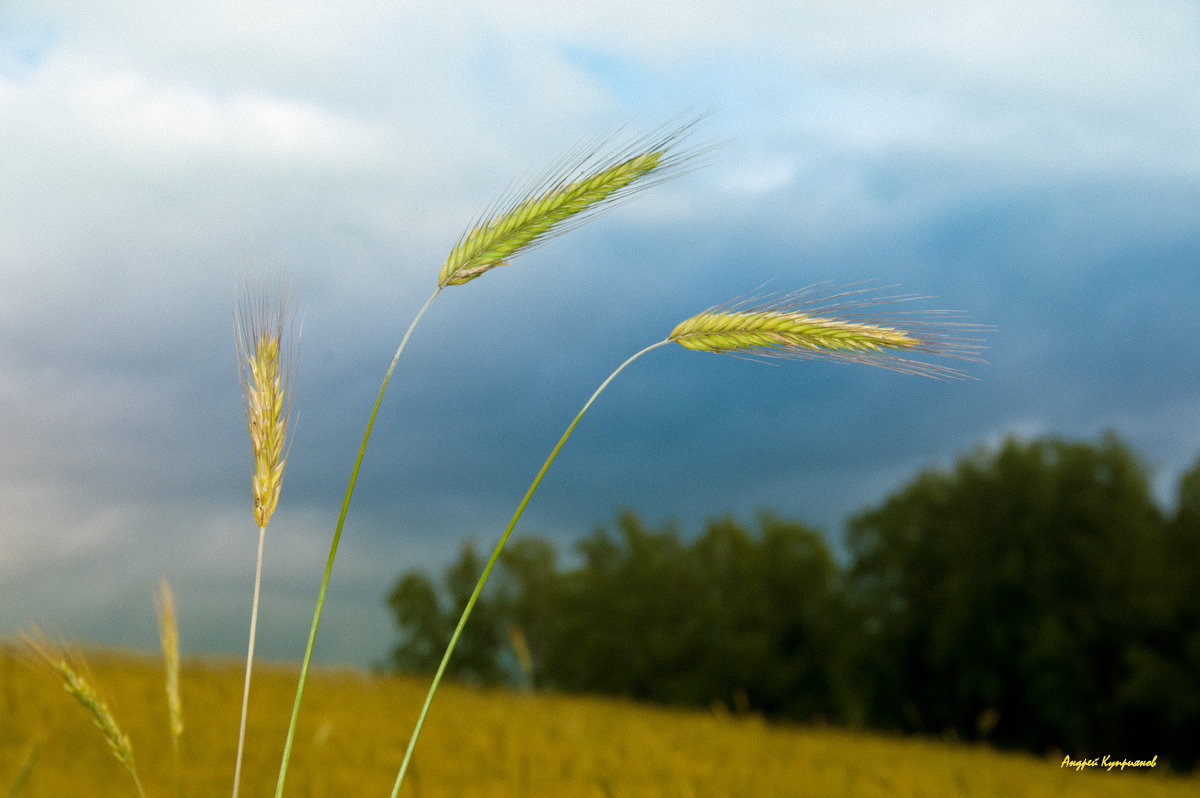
{"points": [[1033, 595]]}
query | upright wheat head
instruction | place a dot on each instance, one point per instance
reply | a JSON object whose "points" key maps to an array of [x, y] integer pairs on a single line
{"points": [[263, 327], [168, 635]]}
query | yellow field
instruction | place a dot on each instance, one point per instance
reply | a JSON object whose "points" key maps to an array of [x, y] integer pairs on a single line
{"points": [[354, 727]]}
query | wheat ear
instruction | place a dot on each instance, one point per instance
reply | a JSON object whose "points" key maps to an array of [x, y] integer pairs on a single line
{"points": [[855, 325], [803, 324], [168, 636], [263, 329], [76, 678], [567, 195], [596, 177], [266, 365]]}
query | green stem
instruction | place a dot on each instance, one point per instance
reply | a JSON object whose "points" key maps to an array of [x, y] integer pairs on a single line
{"points": [[337, 534], [237, 768], [487, 569], [137, 783], [26, 768]]}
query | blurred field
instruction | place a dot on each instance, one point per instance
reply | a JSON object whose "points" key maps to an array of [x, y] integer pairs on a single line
{"points": [[354, 727]]}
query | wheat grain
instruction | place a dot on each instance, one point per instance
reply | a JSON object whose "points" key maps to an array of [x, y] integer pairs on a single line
{"points": [[565, 196], [845, 325]]}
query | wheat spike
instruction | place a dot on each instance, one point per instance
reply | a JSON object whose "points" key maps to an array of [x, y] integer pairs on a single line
{"points": [[843, 325], [263, 327], [594, 179], [77, 681], [168, 635]]}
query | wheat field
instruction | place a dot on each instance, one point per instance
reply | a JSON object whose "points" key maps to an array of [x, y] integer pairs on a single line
{"points": [[355, 726]]}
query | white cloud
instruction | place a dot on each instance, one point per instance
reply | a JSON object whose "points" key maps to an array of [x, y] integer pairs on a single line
{"points": [[135, 115], [147, 116]]}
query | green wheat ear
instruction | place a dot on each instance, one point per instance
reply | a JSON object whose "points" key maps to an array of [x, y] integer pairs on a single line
{"points": [[844, 325], [567, 195]]}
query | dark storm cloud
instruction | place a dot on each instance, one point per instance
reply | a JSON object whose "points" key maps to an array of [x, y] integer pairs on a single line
{"points": [[1035, 165]]}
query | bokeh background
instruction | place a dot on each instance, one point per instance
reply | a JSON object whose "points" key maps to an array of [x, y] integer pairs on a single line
{"points": [[1035, 164]]}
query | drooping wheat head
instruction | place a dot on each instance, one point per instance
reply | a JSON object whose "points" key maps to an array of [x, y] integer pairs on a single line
{"points": [[595, 178], [845, 324], [263, 325], [168, 635], [76, 679]]}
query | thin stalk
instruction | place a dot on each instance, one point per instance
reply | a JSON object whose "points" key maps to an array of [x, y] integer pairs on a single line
{"points": [[168, 634], [337, 535], [18, 785], [491, 563], [237, 768]]}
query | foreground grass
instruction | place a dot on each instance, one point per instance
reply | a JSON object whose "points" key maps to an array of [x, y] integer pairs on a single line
{"points": [[483, 743]]}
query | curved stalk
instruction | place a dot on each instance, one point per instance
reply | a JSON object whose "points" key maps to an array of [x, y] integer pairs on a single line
{"points": [[337, 535], [487, 569]]}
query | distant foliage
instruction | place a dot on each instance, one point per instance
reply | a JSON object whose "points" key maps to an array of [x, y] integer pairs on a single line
{"points": [[1034, 595], [1023, 596]]}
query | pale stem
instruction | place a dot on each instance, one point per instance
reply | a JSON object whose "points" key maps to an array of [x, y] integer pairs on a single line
{"points": [[237, 768], [487, 569], [337, 535]]}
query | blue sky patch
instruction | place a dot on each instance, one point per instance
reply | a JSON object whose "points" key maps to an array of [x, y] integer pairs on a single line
{"points": [[23, 47]]}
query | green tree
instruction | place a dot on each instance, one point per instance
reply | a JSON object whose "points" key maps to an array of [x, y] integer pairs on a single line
{"points": [[1008, 593], [526, 593], [625, 621], [749, 620], [1162, 694], [426, 618]]}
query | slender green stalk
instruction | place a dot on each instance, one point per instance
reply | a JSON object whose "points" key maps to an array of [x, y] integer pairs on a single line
{"points": [[801, 324], [22, 778], [337, 536], [491, 563], [569, 193]]}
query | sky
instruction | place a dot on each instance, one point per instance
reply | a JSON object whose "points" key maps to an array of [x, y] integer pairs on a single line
{"points": [[1035, 165]]}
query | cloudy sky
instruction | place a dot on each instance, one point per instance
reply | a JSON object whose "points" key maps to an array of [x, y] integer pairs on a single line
{"points": [[1035, 164]]}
